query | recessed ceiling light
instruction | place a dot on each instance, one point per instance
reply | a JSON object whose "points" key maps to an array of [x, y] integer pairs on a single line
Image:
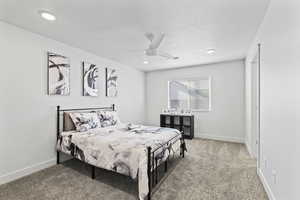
{"points": [[146, 62], [211, 51], [47, 15]]}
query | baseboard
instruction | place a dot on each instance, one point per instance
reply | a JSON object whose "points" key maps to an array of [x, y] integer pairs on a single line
{"points": [[26, 171], [266, 185], [221, 138]]}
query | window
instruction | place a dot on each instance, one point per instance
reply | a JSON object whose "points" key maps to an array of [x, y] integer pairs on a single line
{"points": [[190, 94]]}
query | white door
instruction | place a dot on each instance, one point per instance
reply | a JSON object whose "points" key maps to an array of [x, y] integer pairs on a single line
{"points": [[255, 101]]}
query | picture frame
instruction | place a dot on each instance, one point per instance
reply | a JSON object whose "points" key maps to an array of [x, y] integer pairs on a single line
{"points": [[90, 77], [58, 76], [111, 78]]}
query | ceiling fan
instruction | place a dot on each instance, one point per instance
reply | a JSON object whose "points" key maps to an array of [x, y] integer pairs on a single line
{"points": [[155, 42]]}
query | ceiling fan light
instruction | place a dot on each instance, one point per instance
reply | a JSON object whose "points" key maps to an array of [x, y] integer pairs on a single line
{"points": [[211, 51], [47, 15]]}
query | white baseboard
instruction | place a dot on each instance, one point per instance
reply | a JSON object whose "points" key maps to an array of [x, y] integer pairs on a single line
{"points": [[266, 185], [26, 171], [221, 138]]}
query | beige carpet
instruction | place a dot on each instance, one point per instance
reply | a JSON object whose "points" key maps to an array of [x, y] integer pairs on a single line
{"points": [[211, 170]]}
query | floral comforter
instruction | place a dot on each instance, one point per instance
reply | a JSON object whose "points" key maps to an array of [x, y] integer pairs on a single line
{"points": [[121, 149]]}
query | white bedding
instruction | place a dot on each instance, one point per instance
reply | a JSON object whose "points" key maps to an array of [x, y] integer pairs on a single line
{"points": [[121, 150]]}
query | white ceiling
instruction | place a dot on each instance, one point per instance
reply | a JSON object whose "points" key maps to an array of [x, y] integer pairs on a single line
{"points": [[115, 28]]}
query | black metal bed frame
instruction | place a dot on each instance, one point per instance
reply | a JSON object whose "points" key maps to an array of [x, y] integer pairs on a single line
{"points": [[152, 160]]}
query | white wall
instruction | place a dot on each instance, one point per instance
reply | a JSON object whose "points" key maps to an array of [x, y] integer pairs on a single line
{"points": [[28, 120], [279, 36], [226, 119]]}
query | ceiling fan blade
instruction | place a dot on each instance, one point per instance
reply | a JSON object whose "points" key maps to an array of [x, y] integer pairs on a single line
{"points": [[156, 41], [167, 55]]}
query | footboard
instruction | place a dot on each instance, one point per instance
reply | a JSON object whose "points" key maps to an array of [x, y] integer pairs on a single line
{"points": [[153, 163]]}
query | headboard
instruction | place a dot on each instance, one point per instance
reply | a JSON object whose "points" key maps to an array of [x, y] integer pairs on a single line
{"points": [[66, 117]]}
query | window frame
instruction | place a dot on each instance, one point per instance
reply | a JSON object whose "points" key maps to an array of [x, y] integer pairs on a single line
{"points": [[208, 78]]}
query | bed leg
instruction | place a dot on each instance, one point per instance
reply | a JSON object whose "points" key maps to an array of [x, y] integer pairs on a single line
{"points": [[166, 165], [156, 171], [57, 131], [153, 170], [93, 172], [149, 172], [182, 146], [57, 158]]}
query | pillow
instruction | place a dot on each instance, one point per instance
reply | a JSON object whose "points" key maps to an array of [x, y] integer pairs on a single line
{"points": [[68, 122], [108, 118], [85, 121]]}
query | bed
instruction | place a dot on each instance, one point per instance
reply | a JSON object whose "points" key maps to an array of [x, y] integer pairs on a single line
{"points": [[133, 150]]}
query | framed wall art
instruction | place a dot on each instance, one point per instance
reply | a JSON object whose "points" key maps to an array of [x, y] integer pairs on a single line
{"points": [[58, 74], [90, 79], [111, 78]]}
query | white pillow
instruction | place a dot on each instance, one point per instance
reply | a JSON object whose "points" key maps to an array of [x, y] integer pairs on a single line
{"points": [[108, 118], [85, 121]]}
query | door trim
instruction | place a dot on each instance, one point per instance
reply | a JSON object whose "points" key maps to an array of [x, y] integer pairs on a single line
{"points": [[259, 106]]}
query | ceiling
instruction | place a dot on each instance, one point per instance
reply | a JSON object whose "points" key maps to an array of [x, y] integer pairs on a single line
{"points": [[115, 29]]}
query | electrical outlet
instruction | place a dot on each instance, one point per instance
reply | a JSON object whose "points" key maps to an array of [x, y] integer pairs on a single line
{"points": [[274, 174]]}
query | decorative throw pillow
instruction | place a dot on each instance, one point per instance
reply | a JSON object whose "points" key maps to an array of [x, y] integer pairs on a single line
{"points": [[85, 121], [108, 118], [68, 122]]}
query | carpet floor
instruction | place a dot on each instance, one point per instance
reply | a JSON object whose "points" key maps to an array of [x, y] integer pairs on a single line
{"points": [[211, 170]]}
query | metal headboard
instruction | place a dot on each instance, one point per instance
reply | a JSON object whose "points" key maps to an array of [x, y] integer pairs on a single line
{"points": [[59, 111]]}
